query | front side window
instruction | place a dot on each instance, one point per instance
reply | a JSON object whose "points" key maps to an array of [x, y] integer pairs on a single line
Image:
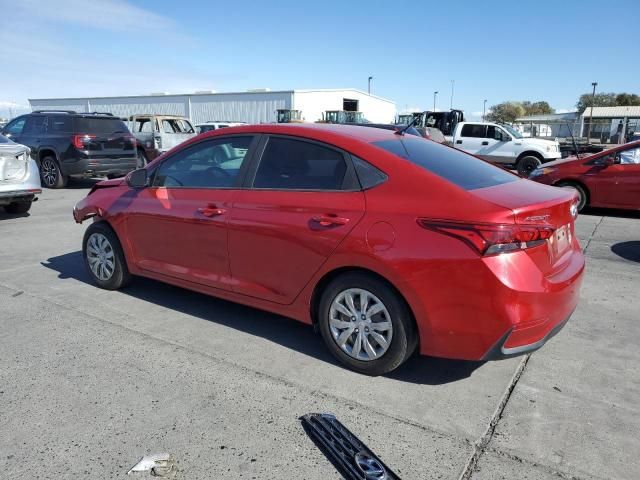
{"points": [[15, 127], [289, 164], [630, 156], [169, 126], [209, 164], [496, 133], [473, 130]]}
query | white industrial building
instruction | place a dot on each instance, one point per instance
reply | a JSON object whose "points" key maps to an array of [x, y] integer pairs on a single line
{"points": [[253, 106]]}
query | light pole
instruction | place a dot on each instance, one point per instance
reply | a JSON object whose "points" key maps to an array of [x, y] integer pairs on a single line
{"points": [[484, 109], [453, 82], [369, 86], [435, 94], [593, 100]]}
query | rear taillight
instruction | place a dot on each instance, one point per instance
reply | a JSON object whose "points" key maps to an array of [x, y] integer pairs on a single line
{"points": [[80, 140], [491, 238]]}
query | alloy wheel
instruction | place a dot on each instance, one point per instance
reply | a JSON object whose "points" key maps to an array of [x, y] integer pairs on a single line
{"points": [[360, 324], [100, 256], [49, 172]]}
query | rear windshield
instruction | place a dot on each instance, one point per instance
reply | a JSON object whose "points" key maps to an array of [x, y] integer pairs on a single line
{"points": [[100, 125], [457, 167], [4, 139]]}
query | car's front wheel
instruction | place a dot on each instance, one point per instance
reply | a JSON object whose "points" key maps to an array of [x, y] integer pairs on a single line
{"points": [[104, 258], [583, 197], [366, 324], [526, 165]]}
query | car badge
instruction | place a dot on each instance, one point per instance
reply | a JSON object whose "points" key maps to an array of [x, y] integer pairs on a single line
{"points": [[370, 467], [538, 218], [573, 209]]}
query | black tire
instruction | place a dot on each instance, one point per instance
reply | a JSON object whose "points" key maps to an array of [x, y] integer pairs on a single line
{"points": [[527, 164], [120, 276], [404, 339], [18, 207], [142, 159], [50, 173], [583, 196]]}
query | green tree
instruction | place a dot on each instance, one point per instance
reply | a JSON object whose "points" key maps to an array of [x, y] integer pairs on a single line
{"points": [[600, 100], [627, 99], [507, 112]]}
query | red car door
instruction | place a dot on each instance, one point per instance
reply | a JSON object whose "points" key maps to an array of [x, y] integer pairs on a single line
{"points": [[618, 185], [303, 203], [177, 226]]}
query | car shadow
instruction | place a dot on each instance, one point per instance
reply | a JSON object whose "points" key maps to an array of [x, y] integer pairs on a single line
{"points": [[4, 215], [627, 250], [286, 332], [610, 212]]}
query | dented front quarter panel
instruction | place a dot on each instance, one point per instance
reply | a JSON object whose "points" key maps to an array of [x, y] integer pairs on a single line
{"points": [[105, 199]]}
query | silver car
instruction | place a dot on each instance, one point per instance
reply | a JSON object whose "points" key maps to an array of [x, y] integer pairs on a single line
{"points": [[19, 177]]}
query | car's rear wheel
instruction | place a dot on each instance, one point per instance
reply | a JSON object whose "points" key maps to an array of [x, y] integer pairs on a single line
{"points": [[366, 324], [527, 164], [104, 258], [18, 207], [51, 174], [583, 197]]}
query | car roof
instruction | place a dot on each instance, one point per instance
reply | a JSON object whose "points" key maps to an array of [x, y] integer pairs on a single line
{"points": [[365, 134]]}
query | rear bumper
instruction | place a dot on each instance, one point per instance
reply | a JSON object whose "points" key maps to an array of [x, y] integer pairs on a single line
{"points": [[23, 190], [499, 351], [99, 166]]}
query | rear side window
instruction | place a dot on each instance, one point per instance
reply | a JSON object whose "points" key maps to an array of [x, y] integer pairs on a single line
{"points": [[368, 175], [288, 164], [106, 125], [457, 167], [475, 131], [60, 124]]}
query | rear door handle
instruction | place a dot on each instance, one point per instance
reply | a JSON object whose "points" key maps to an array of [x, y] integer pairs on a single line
{"points": [[458, 142], [330, 219], [211, 211], [485, 143]]}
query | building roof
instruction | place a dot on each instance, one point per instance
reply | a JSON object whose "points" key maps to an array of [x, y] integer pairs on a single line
{"points": [[549, 118], [262, 91], [613, 112]]}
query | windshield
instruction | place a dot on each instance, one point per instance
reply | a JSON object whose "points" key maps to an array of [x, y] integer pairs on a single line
{"points": [[463, 170], [515, 133]]}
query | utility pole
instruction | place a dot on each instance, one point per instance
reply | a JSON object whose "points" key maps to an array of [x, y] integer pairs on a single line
{"points": [[369, 87], [453, 82], [484, 109], [435, 94], [593, 100]]}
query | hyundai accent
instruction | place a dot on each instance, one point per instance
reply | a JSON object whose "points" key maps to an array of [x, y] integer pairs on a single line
{"points": [[387, 243]]}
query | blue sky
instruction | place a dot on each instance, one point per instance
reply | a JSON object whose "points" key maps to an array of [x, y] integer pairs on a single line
{"points": [[499, 50]]}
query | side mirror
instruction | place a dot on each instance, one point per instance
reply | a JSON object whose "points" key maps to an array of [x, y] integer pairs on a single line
{"points": [[137, 178]]}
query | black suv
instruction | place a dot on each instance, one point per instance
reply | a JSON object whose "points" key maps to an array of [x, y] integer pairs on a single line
{"points": [[70, 144]]}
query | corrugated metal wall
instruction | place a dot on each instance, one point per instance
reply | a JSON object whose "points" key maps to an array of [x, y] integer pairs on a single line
{"points": [[250, 107]]}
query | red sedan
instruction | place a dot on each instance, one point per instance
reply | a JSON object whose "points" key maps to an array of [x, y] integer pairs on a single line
{"points": [[609, 179], [387, 243]]}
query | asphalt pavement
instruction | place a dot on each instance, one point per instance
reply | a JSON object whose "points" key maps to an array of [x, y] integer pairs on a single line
{"points": [[91, 380]]}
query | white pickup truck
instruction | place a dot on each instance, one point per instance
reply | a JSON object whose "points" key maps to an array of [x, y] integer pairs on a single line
{"points": [[504, 145]]}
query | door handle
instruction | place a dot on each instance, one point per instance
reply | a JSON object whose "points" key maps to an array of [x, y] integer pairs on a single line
{"points": [[485, 143], [458, 142], [211, 211], [330, 219]]}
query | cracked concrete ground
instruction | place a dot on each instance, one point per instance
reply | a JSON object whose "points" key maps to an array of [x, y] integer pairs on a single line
{"points": [[91, 380]]}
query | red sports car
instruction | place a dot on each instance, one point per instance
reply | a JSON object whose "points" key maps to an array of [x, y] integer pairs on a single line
{"points": [[608, 179], [387, 243]]}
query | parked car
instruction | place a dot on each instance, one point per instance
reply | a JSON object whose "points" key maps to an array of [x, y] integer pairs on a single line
{"points": [[19, 177], [208, 126], [157, 134], [385, 242], [502, 144], [70, 144], [609, 179]]}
